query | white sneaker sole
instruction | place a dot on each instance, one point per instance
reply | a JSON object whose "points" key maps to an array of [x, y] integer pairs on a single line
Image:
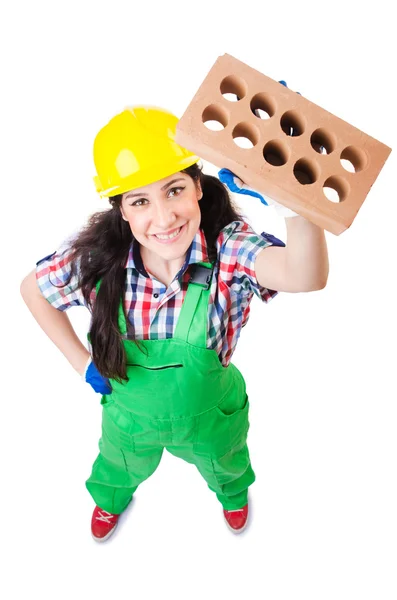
{"points": [[103, 539], [236, 531]]}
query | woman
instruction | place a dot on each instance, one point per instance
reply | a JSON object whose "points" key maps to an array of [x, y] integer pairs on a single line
{"points": [[168, 274]]}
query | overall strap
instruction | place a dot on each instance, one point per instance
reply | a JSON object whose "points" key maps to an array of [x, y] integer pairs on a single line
{"points": [[193, 320]]}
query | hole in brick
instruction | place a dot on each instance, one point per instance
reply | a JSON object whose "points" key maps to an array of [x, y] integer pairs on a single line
{"points": [[243, 142], [292, 123], [331, 194], [214, 125], [233, 88], [215, 117], [275, 153], [347, 165], [263, 106], [322, 141], [305, 172], [231, 97], [245, 136], [335, 189], [352, 159]]}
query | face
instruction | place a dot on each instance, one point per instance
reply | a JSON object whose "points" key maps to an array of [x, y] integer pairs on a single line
{"points": [[164, 216]]}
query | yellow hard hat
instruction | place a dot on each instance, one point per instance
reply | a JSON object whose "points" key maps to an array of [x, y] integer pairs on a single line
{"points": [[136, 148]]}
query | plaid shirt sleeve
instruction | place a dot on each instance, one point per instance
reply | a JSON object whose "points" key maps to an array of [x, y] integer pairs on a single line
{"points": [[239, 247], [52, 272]]}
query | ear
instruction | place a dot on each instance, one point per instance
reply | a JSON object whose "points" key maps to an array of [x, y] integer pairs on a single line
{"points": [[122, 213], [199, 191]]}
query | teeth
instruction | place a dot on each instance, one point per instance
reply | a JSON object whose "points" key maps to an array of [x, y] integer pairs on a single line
{"points": [[169, 237]]}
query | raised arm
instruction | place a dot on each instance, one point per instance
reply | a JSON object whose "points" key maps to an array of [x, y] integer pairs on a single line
{"points": [[302, 266]]}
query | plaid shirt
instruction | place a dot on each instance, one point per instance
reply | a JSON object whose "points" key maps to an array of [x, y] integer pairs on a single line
{"points": [[153, 309]]}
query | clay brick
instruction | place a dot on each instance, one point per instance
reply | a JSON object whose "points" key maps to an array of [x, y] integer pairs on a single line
{"points": [[296, 152]]}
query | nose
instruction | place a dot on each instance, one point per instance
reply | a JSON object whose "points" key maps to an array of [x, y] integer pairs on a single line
{"points": [[163, 216]]}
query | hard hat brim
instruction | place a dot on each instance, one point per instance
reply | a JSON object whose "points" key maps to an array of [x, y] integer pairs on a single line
{"points": [[142, 178]]}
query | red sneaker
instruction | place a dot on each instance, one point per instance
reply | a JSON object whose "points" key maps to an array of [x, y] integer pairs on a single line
{"points": [[237, 519], [103, 524]]}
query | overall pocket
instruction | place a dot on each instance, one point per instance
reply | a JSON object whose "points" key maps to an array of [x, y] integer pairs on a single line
{"points": [[235, 415], [220, 432], [178, 366], [231, 406]]}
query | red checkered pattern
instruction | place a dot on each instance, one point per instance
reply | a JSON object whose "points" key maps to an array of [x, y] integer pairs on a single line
{"points": [[153, 309]]}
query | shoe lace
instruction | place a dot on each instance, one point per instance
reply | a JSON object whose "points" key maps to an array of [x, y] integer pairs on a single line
{"points": [[104, 518]]}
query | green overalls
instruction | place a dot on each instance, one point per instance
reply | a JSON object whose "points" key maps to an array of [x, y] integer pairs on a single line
{"points": [[180, 397]]}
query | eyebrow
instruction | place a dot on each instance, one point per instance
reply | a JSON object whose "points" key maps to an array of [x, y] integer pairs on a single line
{"points": [[133, 194]]}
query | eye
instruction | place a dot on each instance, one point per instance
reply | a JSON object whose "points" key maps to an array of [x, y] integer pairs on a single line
{"points": [[174, 189], [177, 188], [136, 202]]}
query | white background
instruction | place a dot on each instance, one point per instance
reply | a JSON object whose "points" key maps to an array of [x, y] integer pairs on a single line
{"points": [[319, 366]]}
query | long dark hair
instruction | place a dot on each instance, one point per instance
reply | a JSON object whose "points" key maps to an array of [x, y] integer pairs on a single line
{"points": [[101, 249]]}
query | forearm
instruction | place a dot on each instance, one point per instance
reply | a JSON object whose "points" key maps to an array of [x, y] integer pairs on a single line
{"points": [[55, 324], [307, 255]]}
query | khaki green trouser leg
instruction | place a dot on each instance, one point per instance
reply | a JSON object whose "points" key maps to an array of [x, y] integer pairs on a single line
{"points": [[220, 450], [131, 447], [229, 476], [120, 466]]}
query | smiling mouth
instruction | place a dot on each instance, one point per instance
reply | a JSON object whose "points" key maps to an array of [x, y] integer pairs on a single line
{"points": [[173, 234]]}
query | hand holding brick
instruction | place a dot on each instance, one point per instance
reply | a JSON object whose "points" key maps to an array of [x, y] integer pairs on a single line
{"points": [[234, 184], [298, 151]]}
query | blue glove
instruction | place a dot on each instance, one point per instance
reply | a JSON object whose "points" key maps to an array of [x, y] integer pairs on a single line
{"points": [[284, 83], [99, 383], [235, 184]]}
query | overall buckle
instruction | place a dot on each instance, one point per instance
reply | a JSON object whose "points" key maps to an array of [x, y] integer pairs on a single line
{"points": [[201, 275]]}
